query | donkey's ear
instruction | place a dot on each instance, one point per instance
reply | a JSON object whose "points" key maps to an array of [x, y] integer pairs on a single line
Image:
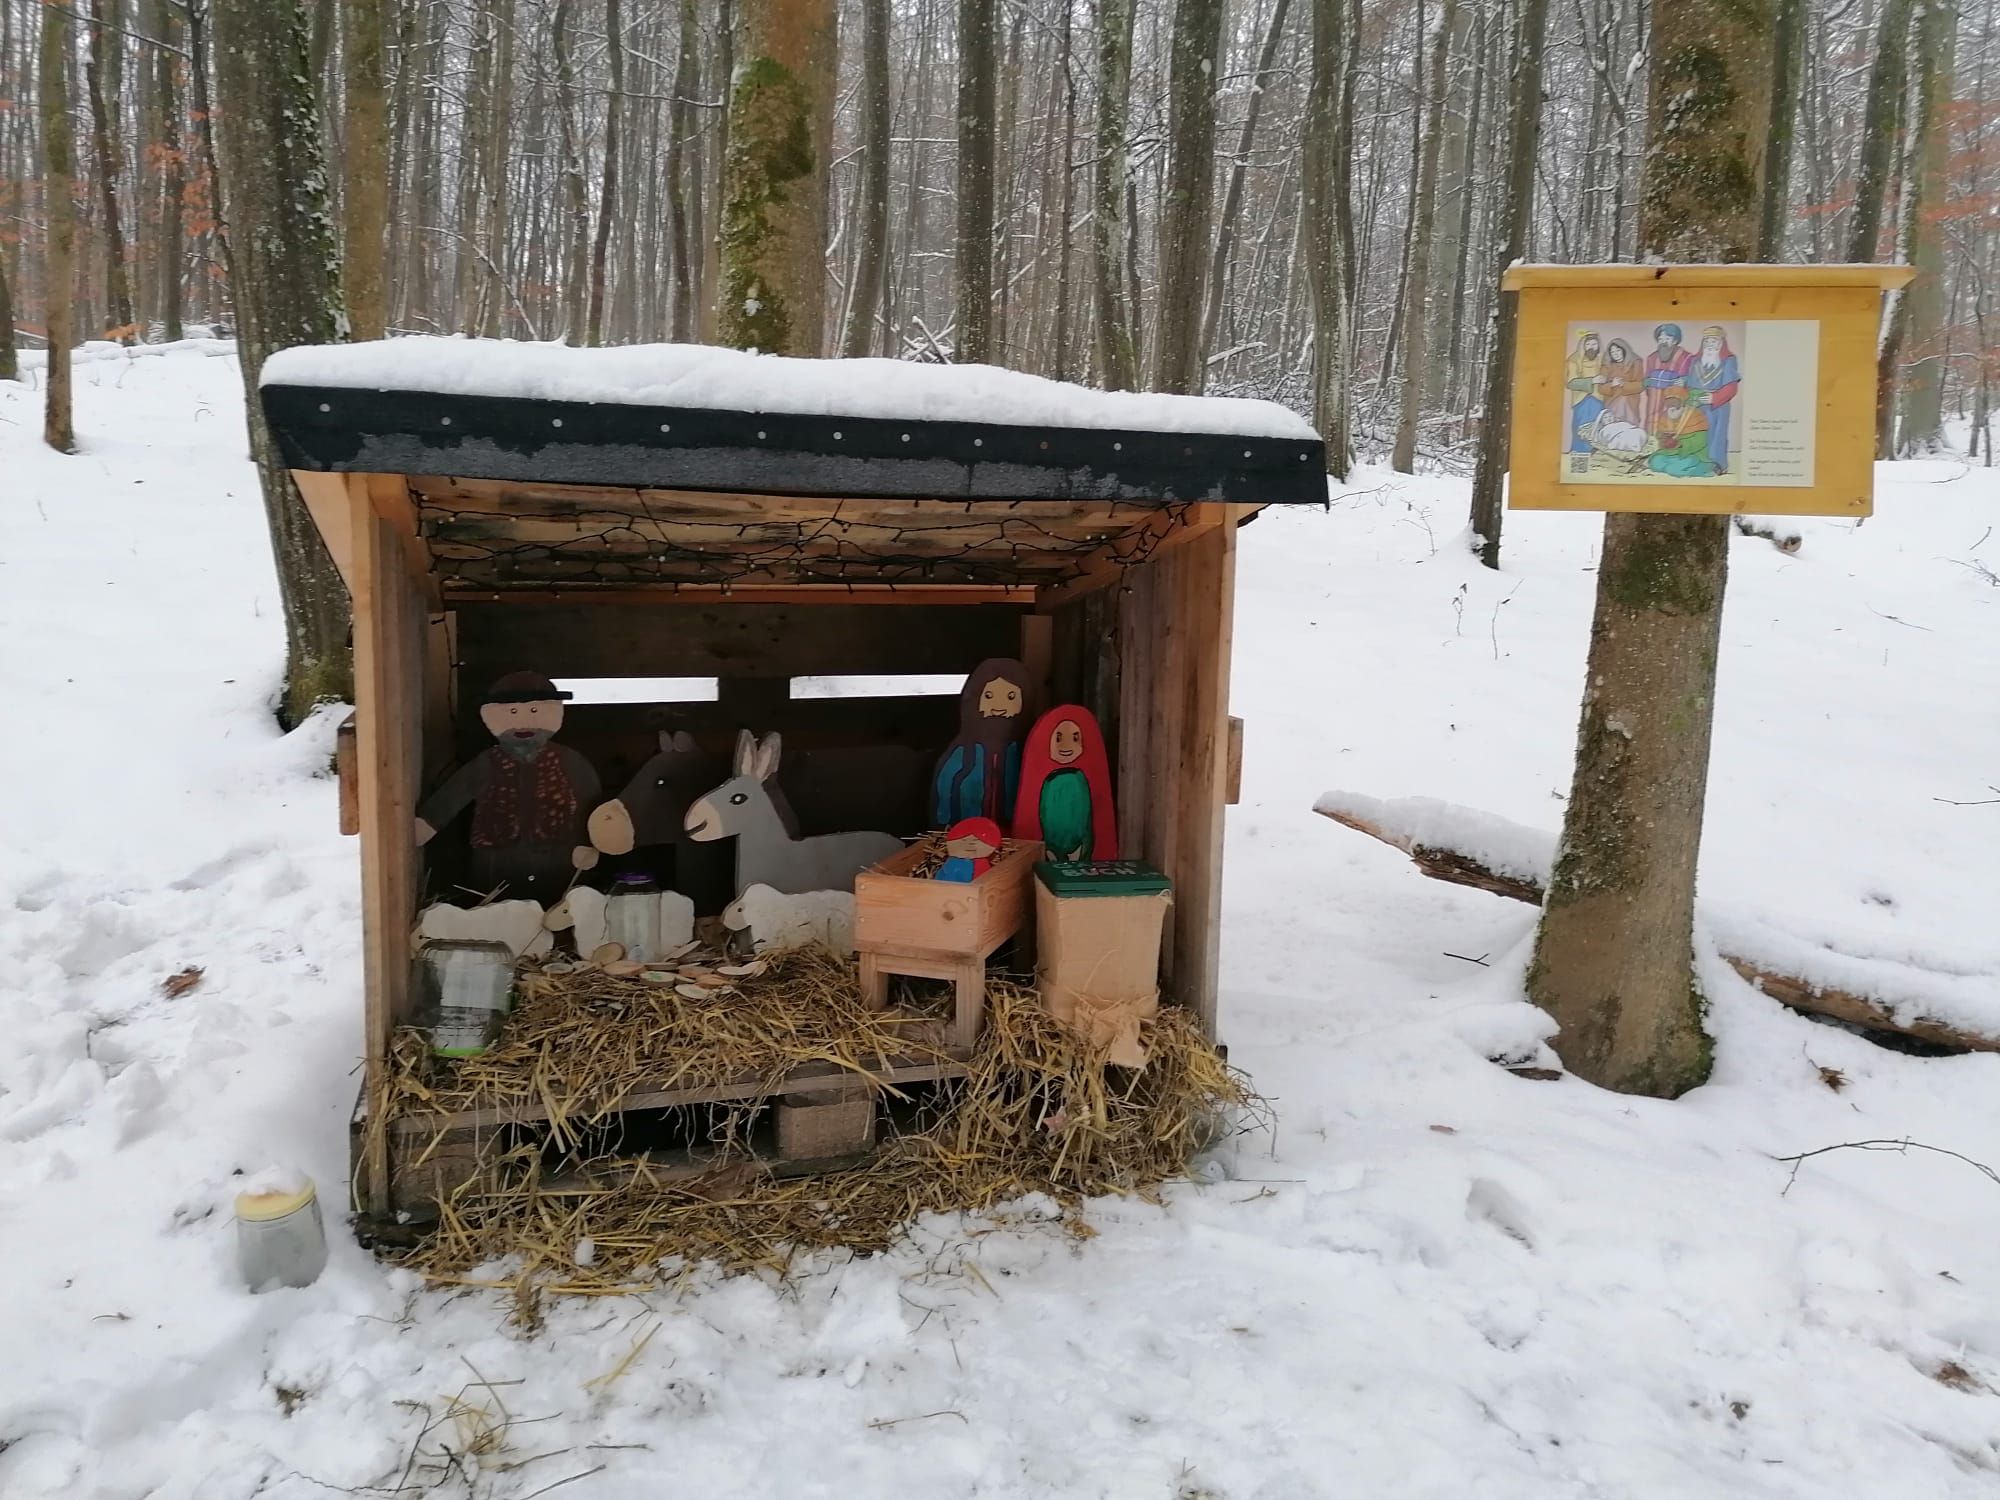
{"points": [[676, 740], [746, 751], [767, 757]]}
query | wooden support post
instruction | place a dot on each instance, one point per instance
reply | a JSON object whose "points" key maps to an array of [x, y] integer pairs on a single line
{"points": [[1175, 630], [388, 690]]}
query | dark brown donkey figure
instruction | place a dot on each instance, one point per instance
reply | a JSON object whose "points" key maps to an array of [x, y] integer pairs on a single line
{"points": [[655, 801]]}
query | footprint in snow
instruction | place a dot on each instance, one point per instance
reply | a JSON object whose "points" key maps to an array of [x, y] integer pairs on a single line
{"points": [[1488, 1202]]}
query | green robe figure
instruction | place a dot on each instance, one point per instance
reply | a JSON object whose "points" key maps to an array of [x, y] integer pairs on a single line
{"points": [[1065, 798]]}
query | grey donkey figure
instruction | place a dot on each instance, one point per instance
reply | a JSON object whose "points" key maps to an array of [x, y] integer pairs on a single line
{"points": [[768, 848]]}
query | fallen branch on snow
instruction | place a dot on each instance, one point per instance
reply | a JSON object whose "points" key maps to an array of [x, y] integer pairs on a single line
{"points": [[1905, 1145], [1466, 847]]}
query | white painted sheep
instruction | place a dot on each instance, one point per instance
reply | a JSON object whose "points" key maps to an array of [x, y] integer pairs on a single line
{"points": [[777, 920]]}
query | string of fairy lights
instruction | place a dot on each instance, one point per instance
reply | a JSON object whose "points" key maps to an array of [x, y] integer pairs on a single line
{"points": [[993, 544]]}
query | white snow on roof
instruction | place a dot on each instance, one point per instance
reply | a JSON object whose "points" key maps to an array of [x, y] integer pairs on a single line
{"points": [[694, 375]]}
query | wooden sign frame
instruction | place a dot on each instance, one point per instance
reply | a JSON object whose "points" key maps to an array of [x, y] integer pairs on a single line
{"points": [[1842, 302]]}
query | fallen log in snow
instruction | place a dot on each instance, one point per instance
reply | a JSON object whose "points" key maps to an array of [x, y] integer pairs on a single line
{"points": [[1472, 848]]}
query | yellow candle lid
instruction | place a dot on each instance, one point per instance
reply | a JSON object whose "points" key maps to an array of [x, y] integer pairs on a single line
{"points": [[262, 1207]]}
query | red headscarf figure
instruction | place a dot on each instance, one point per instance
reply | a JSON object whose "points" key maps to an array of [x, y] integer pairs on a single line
{"points": [[969, 845], [1065, 798]]}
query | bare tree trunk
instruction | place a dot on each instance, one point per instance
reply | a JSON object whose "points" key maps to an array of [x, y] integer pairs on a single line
{"points": [[773, 295], [575, 196], [1920, 309], [1787, 52], [607, 207], [1454, 171], [59, 206], [1420, 315], [287, 288], [709, 303], [108, 168], [870, 257], [978, 23], [1059, 365], [10, 361], [495, 285], [1117, 358], [1232, 198], [681, 233], [1517, 208], [169, 252], [1324, 213], [1879, 128], [1190, 195], [1614, 957], [365, 172]]}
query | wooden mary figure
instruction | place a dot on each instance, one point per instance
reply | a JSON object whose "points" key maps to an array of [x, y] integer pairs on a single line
{"points": [[529, 798], [980, 772], [1065, 798]]}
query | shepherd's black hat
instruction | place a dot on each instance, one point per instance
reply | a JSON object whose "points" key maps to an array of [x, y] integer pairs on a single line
{"points": [[524, 687]]}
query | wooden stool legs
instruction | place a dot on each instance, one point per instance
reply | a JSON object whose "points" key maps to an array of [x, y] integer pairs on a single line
{"points": [[967, 977]]}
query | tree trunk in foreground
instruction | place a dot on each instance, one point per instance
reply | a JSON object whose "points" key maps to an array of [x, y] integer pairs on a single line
{"points": [[286, 283], [58, 186], [1614, 959], [773, 293], [978, 21], [607, 201], [365, 173], [1496, 413]]}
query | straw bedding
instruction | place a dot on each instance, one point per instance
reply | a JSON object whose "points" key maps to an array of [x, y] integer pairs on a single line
{"points": [[1038, 1112]]}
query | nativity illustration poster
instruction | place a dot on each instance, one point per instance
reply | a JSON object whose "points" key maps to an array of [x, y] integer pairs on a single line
{"points": [[1690, 403]]}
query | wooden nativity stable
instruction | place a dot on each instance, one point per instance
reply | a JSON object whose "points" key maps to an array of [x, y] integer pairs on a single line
{"points": [[680, 513]]}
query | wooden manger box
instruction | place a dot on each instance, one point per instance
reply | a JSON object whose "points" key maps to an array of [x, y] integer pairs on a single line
{"points": [[797, 555], [942, 929]]}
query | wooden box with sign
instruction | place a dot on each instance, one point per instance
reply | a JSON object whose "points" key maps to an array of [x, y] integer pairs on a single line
{"points": [[1744, 389]]}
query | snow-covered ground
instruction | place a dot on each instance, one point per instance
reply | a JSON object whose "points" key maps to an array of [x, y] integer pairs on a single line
{"points": [[1439, 1279]]}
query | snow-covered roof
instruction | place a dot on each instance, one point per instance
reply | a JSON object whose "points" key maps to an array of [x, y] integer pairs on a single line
{"points": [[699, 377], [689, 417]]}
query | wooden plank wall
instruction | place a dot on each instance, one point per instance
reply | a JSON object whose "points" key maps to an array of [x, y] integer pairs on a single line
{"points": [[1174, 636], [391, 634]]}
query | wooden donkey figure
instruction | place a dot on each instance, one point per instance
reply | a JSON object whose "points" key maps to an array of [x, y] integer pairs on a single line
{"points": [[768, 848]]}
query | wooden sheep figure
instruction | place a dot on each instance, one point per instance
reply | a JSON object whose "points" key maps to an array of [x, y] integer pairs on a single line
{"points": [[768, 850], [777, 920]]}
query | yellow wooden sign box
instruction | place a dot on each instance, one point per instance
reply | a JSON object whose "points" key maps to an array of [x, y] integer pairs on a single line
{"points": [[1802, 443]]}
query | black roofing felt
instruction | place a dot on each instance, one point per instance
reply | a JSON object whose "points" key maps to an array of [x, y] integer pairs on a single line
{"points": [[565, 442]]}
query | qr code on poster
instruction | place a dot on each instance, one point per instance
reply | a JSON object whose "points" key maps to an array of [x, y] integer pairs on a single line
{"points": [[1579, 463]]}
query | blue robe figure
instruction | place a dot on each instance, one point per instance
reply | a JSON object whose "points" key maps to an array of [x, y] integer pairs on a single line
{"points": [[979, 774], [1714, 371]]}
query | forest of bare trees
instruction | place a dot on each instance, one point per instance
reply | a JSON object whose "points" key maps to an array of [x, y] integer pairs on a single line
{"points": [[1306, 201]]}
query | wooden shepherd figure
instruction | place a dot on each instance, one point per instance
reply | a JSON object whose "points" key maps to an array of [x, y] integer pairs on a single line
{"points": [[1065, 796], [980, 771], [529, 798]]}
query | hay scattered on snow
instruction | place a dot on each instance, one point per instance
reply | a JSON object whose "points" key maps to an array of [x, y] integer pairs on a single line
{"points": [[1038, 1113], [580, 1043]]}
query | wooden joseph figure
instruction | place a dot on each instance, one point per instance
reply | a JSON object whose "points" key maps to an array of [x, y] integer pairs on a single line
{"points": [[980, 771], [529, 797]]}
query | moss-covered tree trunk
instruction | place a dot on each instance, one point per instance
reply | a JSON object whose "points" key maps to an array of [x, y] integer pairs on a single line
{"points": [[1919, 343], [285, 279], [773, 292], [1189, 201], [1614, 959]]}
